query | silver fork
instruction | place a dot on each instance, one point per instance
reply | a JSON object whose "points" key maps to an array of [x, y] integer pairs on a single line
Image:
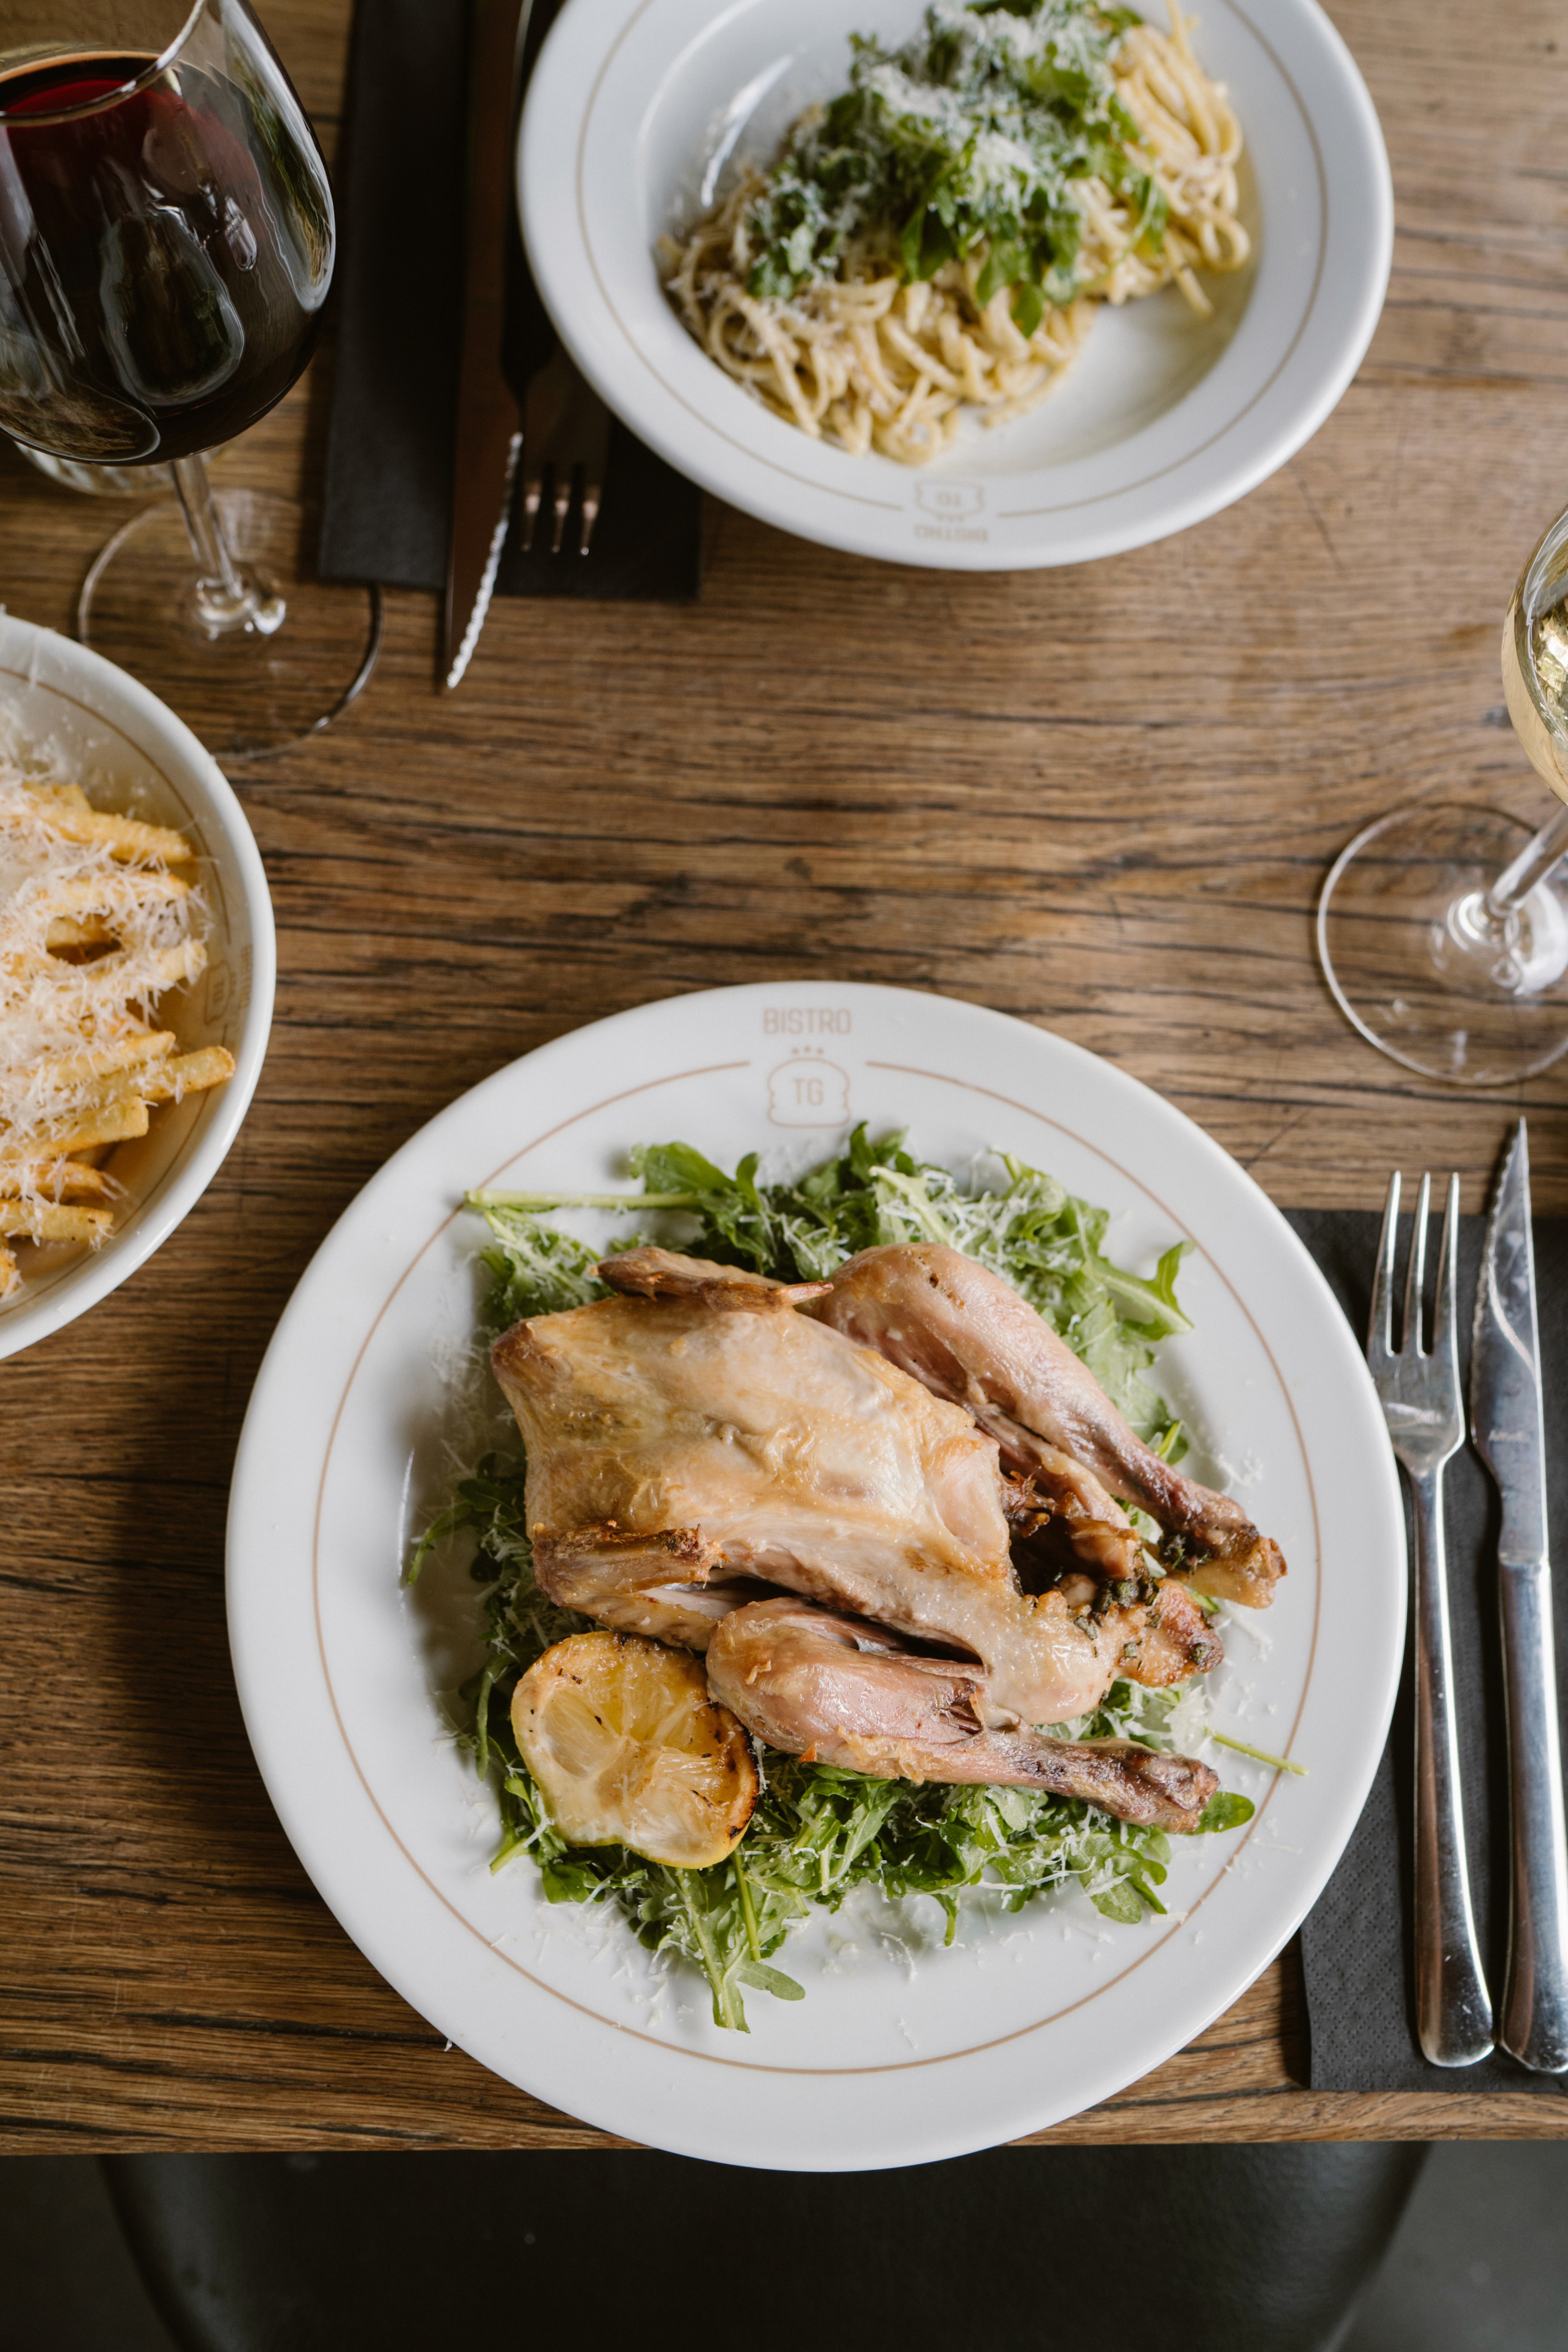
{"points": [[1419, 1389], [565, 434]]}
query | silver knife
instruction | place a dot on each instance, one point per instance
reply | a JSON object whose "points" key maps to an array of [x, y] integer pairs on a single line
{"points": [[490, 422], [1508, 1424]]}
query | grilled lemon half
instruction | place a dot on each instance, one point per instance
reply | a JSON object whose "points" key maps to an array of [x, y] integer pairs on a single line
{"points": [[627, 1749]]}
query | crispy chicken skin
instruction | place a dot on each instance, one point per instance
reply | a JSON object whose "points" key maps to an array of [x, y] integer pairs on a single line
{"points": [[706, 1429], [968, 1336], [843, 1692], [1167, 1640]]}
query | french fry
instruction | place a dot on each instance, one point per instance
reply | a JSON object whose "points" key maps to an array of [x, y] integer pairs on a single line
{"points": [[119, 1123], [10, 1279], [108, 1112], [100, 1061], [187, 1074], [181, 963], [77, 1181], [69, 795], [55, 1180], [125, 837], [70, 931], [88, 894], [173, 967], [37, 1222], [165, 1081], [114, 1123]]}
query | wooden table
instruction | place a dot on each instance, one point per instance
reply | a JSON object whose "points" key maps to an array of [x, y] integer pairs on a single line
{"points": [[1102, 800]]}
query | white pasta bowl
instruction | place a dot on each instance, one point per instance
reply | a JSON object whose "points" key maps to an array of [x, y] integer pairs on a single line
{"points": [[638, 109], [131, 754]]}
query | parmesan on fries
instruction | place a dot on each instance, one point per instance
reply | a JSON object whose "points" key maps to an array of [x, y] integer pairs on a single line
{"points": [[94, 928]]}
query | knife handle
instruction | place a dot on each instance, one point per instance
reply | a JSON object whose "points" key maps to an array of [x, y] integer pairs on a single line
{"points": [[1535, 1999], [1453, 2006]]}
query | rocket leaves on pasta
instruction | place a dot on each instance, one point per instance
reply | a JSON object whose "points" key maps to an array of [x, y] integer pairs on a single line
{"points": [[966, 141]]}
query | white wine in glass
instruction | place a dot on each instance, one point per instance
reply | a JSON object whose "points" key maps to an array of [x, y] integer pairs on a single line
{"points": [[1443, 929]]}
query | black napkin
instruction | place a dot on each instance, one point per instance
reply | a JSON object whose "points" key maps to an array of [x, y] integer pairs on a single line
{"points": [[388, 492], [1356, 1945]]}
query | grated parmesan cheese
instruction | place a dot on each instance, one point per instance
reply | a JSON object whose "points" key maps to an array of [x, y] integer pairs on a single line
{"points": [[95, 927]]}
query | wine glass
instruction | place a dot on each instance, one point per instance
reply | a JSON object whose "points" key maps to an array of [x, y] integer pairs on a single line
{"points": [[167, 244], [94, 481], [1443, 929]]}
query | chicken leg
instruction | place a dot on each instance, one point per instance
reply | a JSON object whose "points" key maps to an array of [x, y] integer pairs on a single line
{"points": [[839, 1691], [969, 1336]]}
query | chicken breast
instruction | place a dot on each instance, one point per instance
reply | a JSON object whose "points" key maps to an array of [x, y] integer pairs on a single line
{"points": [[838, 1691], [700, 1429], [967, 1335]]}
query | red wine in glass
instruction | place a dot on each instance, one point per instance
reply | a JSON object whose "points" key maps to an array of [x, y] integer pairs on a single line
{"points": [[167, 244], [164, 256]]}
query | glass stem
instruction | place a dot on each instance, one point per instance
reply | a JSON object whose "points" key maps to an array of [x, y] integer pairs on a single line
{"points": [[225, 597], [1530, 868]]}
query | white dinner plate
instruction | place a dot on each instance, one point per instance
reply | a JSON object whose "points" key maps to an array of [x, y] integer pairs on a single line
{"points": [[900, 2051], [637, 107]]}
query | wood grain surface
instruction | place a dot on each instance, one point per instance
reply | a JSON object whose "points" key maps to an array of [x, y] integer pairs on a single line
{"points": [[1101, 799]]}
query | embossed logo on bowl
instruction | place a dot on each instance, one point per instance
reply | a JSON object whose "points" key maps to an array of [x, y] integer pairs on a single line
{"points": [[809, 1091], [952, 501]]}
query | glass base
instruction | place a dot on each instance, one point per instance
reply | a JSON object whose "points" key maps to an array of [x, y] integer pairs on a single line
{"points": [[1416, 962], [249, 689]]}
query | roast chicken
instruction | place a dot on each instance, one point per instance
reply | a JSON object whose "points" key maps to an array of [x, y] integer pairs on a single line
{"points": [[707, 1442]]}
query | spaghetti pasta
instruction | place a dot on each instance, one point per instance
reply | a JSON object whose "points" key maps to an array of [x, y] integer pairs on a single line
{"points": [[873, 354]]}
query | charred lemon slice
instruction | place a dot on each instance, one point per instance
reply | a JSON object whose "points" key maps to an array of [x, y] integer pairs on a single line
{"points": [[627, 1749]]}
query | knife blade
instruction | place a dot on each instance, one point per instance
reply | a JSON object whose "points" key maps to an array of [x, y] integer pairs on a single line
{"points": [[1506, 1415], [1508, 1425], [490, 421]]}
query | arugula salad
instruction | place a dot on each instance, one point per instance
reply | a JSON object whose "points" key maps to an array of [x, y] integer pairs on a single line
{"points": [[818, 1831]]}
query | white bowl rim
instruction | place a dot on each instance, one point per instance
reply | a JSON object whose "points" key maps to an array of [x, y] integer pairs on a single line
{"points": [[570, 82], [159, 737]]}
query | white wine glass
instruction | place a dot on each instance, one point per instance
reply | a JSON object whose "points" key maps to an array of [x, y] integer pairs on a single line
{"points": [[1443, 929]]}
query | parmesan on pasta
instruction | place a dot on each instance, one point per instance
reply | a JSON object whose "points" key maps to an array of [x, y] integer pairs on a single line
{"points": [[868, 345]]}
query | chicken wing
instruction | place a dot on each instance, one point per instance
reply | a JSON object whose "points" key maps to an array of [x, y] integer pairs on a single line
{"points": [[839, 1691], [706, 1429], [968, 1336]]}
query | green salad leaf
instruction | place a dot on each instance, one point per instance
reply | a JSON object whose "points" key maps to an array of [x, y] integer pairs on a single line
{"points": [[818, 1832], [1225, 1810]]}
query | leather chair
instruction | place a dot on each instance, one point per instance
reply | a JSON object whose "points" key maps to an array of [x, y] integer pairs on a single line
{"points": [[1231, 2249]]}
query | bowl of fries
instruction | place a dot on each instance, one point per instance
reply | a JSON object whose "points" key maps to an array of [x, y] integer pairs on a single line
{"points": [[137, 964]]}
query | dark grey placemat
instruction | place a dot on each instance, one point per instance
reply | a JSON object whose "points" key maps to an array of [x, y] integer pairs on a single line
{"points": [[1356, 1944], [387, 495]]}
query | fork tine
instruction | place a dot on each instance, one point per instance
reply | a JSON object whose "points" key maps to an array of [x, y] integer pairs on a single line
{"points": [[1379, 1342], [1446, 1310], [532, 493], [564, 479], [1415, 1274], [592, 494]]}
